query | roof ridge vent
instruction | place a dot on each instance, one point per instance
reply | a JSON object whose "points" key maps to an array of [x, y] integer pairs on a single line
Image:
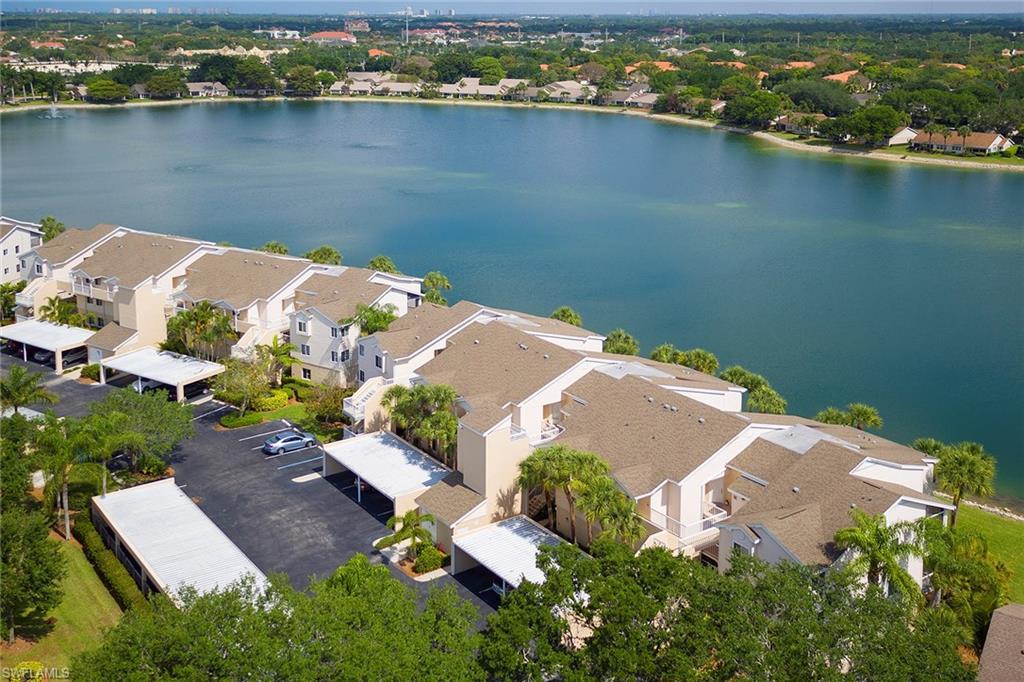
{"points": [[546, 356], [701, 420], [476, 342], [523, 346], [796, 489]]}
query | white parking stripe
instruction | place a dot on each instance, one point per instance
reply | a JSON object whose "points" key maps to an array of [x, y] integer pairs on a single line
{"points": [[207, 414], [295, 464], [306, 478], [260, 435]]}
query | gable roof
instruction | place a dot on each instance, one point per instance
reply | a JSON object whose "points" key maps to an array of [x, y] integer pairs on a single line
{"points": [[491, 365], [133, 257], [450, 500], [422, 325], [631, 425], [240, 278], [337, 296], [1002, 658], [661, 373], [71, 242], [111, 337], [8, 225]]}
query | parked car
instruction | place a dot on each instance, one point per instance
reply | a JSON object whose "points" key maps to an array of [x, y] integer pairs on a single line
{"points": [[72, 357], [148, 385], [286, 441]]}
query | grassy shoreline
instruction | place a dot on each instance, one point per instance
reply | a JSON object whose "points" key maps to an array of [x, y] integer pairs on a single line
{"points": [[812, 146]]}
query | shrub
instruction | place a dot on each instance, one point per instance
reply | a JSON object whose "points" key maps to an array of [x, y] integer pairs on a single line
{"points": [[302, 393], [151, 465], [275, 400], [296, 381], [325, 403], [234, 420], [228, 397], [111, 571], [91, 372], [429, 559]]}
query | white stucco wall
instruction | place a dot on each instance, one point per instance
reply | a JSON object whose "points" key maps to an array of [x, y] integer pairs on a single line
{"points": [[915, 478]]}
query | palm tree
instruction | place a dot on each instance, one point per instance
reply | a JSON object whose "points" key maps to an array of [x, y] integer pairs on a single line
{"points": [[571, 471], [201, 329], [277, 357], [929, 446], [933, 128], [60, 311], [397, 402], [964, 132], [597, 500], [533, 473], [434, 283], [63, 443], [965, 469], [879, 548], [111, 436], [441, 430], [408, 527], [623, 523], [832, 415], [863, 416], [276, 247], [21, 388]]}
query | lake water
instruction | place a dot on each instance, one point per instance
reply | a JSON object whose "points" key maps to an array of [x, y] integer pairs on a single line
{"points": [[839, 280]]}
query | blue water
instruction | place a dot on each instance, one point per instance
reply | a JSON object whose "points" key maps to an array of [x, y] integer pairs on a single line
{"points": [[840, 280]]}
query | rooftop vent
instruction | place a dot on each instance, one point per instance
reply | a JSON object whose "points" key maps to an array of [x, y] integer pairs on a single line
{"points": [[796, 489], [476, 342], [648, 398], [665, 406], [674, 408], [700, 420], [546, 356], [523, 346]]}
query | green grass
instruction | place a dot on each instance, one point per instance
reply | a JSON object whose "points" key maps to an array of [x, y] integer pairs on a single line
{"points": [[296, 414], [86, 611], [1005, 540]]}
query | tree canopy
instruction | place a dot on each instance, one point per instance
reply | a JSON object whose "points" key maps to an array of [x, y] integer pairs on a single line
{"points": [[622, 342], [567, 315], [325, 254]]}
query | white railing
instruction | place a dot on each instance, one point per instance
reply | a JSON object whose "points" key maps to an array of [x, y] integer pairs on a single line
{"points": [[102, 293], [27, 296], [517, 431], [548, 431], [695, 531], [355, 405], [246, 344]]}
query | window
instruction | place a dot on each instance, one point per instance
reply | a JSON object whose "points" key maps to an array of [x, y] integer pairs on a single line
{"points": [[39, 268], [6, 270], [17, 268], [17, 248], [345, 355], [334, 356], [344, 330], [362, 349], [334, 332], [379, 361], [307, 373], [5, 252], [302, 327], [304, 349], [362, 376]]}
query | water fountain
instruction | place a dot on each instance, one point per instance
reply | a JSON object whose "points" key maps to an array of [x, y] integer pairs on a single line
{"points": [[53, 112]]}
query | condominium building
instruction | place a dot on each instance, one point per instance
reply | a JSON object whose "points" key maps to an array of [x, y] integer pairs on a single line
{"points": [[17, 238]]}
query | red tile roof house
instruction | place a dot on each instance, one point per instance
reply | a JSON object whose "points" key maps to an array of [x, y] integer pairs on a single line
{"points": [[977, 143], [332, 38]]}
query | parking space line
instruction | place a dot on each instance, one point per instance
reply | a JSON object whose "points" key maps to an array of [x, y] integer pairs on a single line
{"points": [[207, 414], [306, 478], [259, 435], [295, 464]]}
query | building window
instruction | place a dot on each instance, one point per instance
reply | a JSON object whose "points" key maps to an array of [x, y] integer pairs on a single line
{"points": [[362, 349], [5, 252], [17, 268], [302, 327], [334, 332], [362, 376], [39, 268], [304, 349], [6, 270], [17, 248], [334, 356], [307, 373], [379, 361], [345, 355], [344, 330]]}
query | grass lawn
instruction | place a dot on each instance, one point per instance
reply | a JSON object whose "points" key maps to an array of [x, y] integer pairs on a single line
{"points": [[80, 619], [1005, 540], [296, 414]]}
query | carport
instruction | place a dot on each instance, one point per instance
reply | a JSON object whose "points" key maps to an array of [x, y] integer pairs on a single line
{"points": [[165, 367], [508, 549], [167, 543], [386, 463], [49, 336]]}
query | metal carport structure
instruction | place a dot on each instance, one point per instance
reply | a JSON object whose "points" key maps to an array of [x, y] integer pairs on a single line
{"points": [[165, 367], [49, 336], [387, 463], [508, 549]]}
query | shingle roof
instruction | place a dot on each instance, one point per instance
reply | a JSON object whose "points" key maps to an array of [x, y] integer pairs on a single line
{"points": [[491, 365], [72, 242], [134, 257], [1002, 658], [8, 225], [665, 373], [422, 325], [626, 423], [239, 278], [111, 337], [764, 459], [449, 500], [537, 324], [337, 296], [805, 503]]}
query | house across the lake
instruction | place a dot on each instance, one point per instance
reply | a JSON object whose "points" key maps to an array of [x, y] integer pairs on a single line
{"points": [[953, 142], [207, 89]]}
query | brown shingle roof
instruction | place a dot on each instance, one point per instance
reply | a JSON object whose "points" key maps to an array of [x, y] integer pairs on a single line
{"points": [[678, 375], [422, 325], [111, 337], [134, 257], [626, 423], [449, 500], [491, 365], [72, 242], [1002, 658], [764, 459], [337, 296], [239, 278]]}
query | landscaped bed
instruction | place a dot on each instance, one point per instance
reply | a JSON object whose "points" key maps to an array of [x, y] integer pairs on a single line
{"points": [[1005, 538]]}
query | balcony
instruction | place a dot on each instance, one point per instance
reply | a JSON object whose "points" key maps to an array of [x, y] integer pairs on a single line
{"points": [[102, 293], [355, 405], [548, 431], [696, 532]]}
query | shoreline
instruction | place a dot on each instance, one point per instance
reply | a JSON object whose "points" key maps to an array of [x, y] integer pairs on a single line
{"points": [[674, 119]]}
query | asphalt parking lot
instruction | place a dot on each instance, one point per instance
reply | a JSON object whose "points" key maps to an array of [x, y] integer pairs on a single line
{"points": [[75, 398], [283, 514]]}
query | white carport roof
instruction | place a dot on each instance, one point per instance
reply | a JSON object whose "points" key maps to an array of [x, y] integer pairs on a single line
{"points": [[387, 463], [163, 366], [509, 548], [173, 539], [46, 335]]}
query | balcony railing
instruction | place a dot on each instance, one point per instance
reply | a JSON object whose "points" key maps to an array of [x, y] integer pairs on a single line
{"points": [[695, 531], [517, 432], [355, 405], [102, 293], [548, 431]]}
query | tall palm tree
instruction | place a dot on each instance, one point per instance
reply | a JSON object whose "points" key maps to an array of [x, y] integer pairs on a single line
{"points": [[21, 388], [397, 402], [933, 128], [863, 416], [571, 471], [64, 444], [277, 357], [61, 311], [929, 446], [964, 132], [878, 548], [434, 283], [533, 473], [409, 527], [441, 430], [832, 415], [110, 435], [965, 469], [623, 523], [597, 500]]}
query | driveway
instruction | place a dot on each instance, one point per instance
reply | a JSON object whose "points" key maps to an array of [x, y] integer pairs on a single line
{"points": [[282, 513]]}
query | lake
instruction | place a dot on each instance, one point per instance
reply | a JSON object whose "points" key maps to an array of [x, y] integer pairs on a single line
{"points": [[840, 280]]}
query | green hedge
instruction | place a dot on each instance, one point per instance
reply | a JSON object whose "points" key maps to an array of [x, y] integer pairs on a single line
{"points": [[277, 399], [91, 372], [234, 420], [111, 571], [296, 381], [229, 398], [429, 559]]}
